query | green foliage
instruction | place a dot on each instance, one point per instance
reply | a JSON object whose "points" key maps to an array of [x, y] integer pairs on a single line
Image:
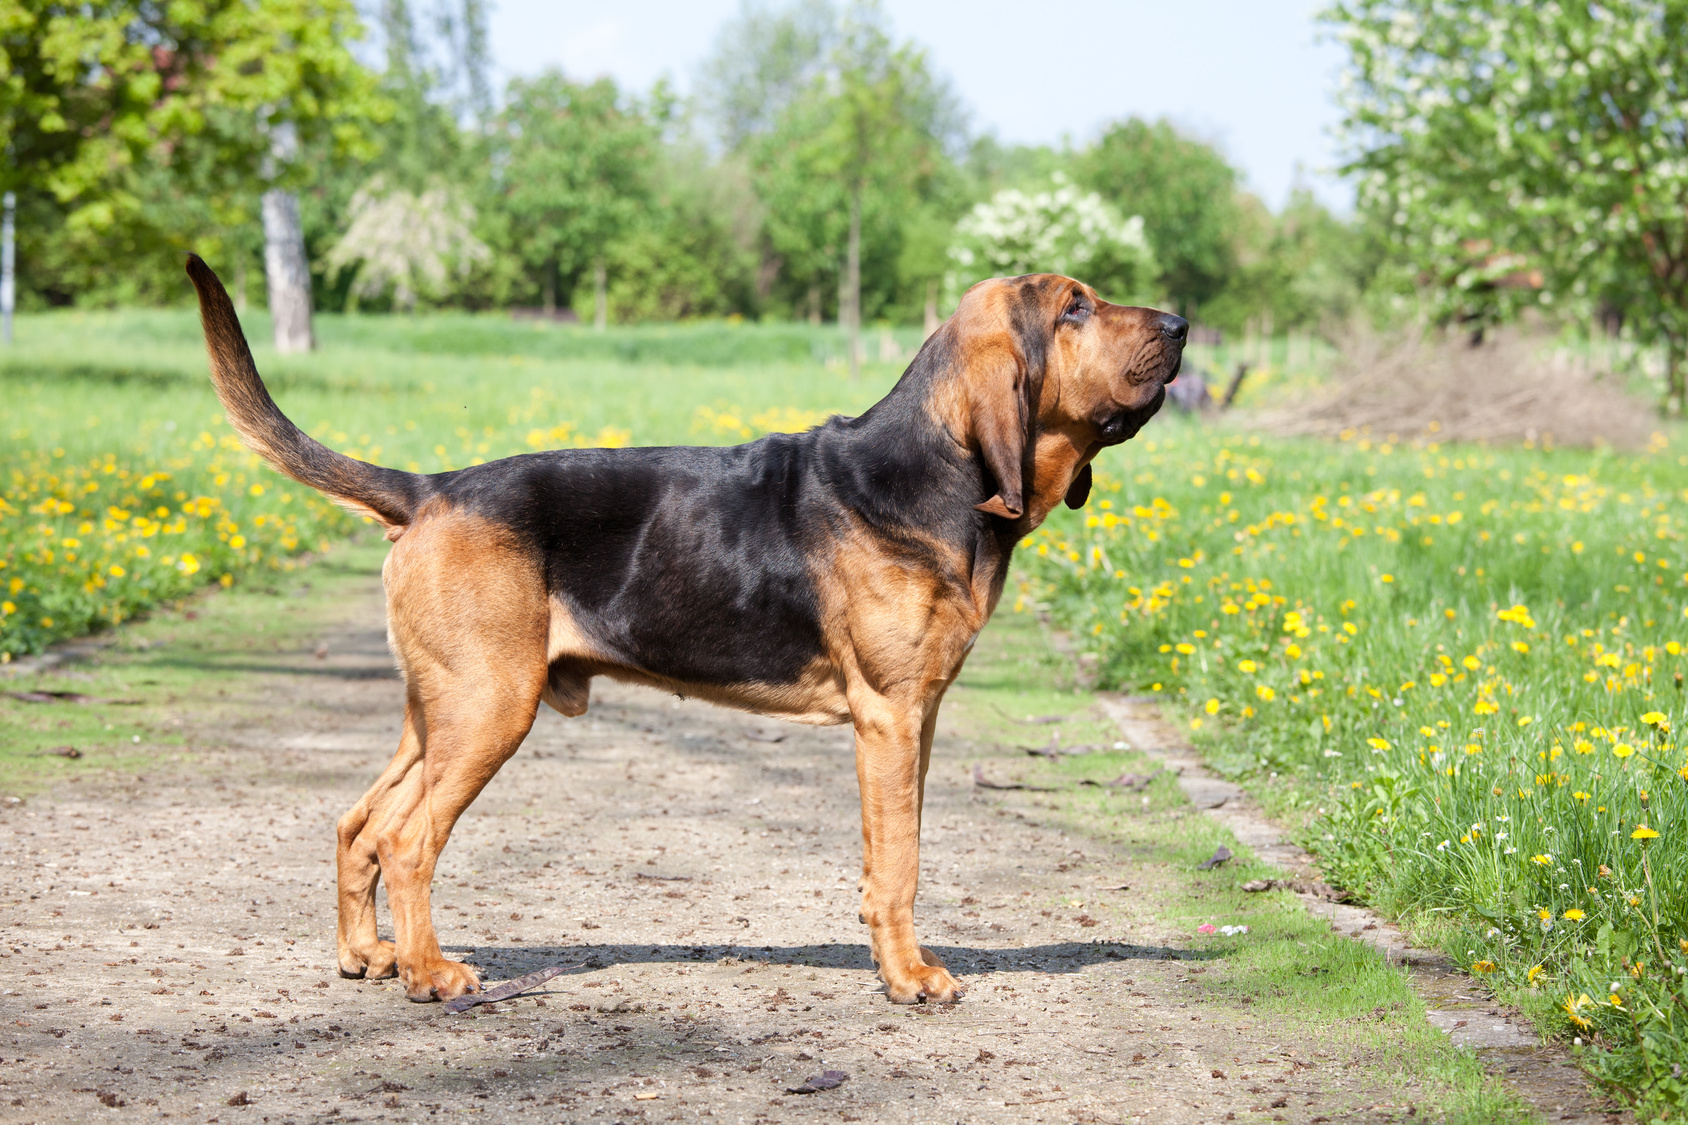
{"points": [[693, 254], [866, 136], [1185, 192], [133, 126], [1302, 267], [762, 62], [575, 174], [1528, 154]]}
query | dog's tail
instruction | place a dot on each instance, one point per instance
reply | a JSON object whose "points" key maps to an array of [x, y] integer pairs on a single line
{"points": [[388, 495]]}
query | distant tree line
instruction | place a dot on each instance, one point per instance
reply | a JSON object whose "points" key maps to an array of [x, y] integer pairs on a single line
{"points": [[821, 171]]}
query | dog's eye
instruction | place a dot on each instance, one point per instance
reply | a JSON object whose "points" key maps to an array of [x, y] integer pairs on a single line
{"points": [[1078, 310]]}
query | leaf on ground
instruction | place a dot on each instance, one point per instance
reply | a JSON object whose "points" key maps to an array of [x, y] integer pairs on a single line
{"points": [[239, 1099], [1221, 854], [65, 752], [825, 1080]]}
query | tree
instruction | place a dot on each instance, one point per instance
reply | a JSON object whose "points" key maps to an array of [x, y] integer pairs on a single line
{"points": [[1301, 268], [862, 147], [108, 108], [1186, 193], [762, 62], [1528, 154], [412, 242], [575, 174], [1058, 230]]}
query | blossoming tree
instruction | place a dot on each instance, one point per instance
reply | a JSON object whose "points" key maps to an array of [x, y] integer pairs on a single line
{"points": [[1059, 230]]}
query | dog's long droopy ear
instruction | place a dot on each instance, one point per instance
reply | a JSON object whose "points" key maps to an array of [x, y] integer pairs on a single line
{"points": [[1079, 491], [1001, 419]]}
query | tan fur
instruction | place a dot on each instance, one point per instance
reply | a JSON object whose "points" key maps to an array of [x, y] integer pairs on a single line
{"points": [[468, 625]]}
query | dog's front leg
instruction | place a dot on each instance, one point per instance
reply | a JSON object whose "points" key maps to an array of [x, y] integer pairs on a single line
{"points": [[890, 744]]}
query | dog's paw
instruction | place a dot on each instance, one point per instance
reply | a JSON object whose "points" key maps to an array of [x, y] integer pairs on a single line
{"points": [[925, 982], [438, 980], [374, 963]]}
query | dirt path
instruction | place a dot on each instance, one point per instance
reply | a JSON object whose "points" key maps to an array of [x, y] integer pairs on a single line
{"points": [[166, 943]]}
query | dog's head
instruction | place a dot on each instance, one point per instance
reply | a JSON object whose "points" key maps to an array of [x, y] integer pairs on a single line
{"points": [[1051, 374]]}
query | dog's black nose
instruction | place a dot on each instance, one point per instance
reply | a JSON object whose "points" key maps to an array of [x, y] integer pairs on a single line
{"points": [[1174, 327]]}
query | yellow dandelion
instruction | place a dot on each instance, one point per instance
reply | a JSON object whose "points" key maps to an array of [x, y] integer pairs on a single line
{"points": [[1623, 750], [1573, 915], [1212, 707], [1544, 859], [1643, 833], [1483, 967]]}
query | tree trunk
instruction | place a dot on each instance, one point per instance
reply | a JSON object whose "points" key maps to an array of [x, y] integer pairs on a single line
{"points": [[287, 272], [1676, 379], [8, 264], [548, 290], [853, 283], [932, 321], [240, 282], [814, 304], [600, 297]]}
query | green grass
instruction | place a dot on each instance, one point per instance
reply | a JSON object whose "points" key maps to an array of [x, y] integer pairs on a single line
{"points": [[185, 669], [1438, 660], [1289, 972]]}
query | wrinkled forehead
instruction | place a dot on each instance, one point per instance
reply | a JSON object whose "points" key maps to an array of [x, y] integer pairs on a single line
{"points": [[1026, 307]]}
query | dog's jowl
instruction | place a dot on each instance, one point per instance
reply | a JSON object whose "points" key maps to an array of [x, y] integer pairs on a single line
{"points": [[836, 576]]}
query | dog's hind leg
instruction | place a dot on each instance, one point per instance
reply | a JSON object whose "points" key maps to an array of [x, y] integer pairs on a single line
{"points": [[473, 726], [362, 953]]}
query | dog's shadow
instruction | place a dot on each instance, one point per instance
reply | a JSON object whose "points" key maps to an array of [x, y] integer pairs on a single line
{"points": [[499, 962]]}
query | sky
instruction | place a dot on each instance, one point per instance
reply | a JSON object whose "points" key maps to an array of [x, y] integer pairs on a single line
{"points": [[1252, 76]]}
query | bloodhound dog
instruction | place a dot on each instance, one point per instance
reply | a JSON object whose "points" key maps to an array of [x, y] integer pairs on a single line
{"points": [[835, 576]]}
